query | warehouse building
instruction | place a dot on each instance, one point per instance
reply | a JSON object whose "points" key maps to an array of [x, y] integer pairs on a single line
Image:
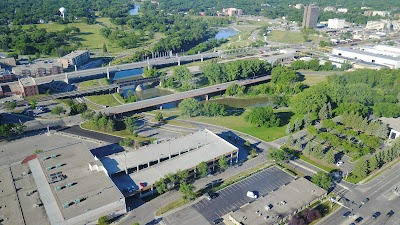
{"points": [[376, 55]]}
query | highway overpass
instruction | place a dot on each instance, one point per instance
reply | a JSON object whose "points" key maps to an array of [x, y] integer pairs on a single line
{"points": [[159, 101]]}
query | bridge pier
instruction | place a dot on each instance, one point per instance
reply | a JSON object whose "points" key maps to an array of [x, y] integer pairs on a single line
{"points": [[66, 78], [179, 61], [148, 65], [119, 90], [160, 107], [202, 58], [206, 97], [108, 73]]}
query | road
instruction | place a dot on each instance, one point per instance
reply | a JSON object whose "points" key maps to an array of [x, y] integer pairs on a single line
{"points": [[179, 96], [381, 199]]}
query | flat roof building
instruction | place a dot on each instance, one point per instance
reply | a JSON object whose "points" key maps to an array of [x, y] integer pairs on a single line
{"points": [[394, 124], [310, 17], [75, 58], [10, 212], [38, 69], [28, 86], [278, 206], [370, 57], [70, 192], [150, 163], [336, 23]]}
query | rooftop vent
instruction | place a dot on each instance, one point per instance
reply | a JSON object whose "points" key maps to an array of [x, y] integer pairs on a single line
{"points": [[66, 205]]}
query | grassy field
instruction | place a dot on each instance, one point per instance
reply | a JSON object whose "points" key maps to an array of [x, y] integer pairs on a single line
{"points": [[88, 84], [170, 206], [238, 123], [314, 79], [106, 100], [320, 164], [288, 37], [90, 34]]}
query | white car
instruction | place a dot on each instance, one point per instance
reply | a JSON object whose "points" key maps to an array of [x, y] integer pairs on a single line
{"points": [[339, 163], [251, 194]]}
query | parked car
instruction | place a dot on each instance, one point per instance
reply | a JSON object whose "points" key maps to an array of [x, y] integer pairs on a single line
{"points": [[218, 221], [390, 213], [376, 214], [359, 219], [346, 214], [251, 194], [339, 163], [365, 200]]}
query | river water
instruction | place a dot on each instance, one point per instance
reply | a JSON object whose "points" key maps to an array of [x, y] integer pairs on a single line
{"points": [[225, 32], [135, 10]]}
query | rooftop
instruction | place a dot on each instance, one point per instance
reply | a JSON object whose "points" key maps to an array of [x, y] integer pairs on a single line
{"points": [[203, 146], [282, 202], [356, 51], [27, 81], [393, 123], [75, 53], [9, 208], [94, 189]]}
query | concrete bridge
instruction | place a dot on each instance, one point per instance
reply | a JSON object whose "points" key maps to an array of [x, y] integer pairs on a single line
{"points": [[159, 101]]}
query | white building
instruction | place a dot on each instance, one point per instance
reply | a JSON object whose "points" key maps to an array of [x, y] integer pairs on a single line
{"points": [[298, 6], [336, 23], [380, 13], [330, 9], [378, 25], [342, 10], [365, 56]]}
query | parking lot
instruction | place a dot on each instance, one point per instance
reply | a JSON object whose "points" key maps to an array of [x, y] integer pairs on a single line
{"points": [[234, 196]]}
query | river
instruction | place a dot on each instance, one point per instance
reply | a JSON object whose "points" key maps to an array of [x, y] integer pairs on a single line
{"points": [[225, 32], [135, 10]]}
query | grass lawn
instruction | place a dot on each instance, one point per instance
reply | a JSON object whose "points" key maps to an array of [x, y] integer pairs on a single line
{"points": [[93, 106], [121, 133], [238, 123], [319, 164], [88, 84], [106, 100], [288, 37], [103, 82], [170, 206], [314, 79], [90, 34]]}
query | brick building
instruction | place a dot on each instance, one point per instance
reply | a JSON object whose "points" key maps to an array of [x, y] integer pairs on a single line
{"points": [[28, 87]]}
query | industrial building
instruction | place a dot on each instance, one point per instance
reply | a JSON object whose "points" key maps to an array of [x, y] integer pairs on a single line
{"points": [[135, 172], [69, 191], [310, 17], [75, 58], [336, 23], [276, 207], [378, 25], [382, 55], [28, 87]]}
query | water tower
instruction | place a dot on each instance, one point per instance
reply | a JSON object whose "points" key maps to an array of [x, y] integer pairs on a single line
{"points": [[62, 11]]}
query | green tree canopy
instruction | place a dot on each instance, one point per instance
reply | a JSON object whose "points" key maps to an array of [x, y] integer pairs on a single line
{"points": [[190, 107], [322, 179], [263, 117]]}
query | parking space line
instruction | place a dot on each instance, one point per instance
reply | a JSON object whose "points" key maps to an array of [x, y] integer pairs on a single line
{"points": [[234, 186], [229, 190]]}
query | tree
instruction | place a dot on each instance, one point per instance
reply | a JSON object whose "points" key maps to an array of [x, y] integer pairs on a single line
{"points": [[19, 128], [308, 149], [278, 155], [318, 151], [131, 124], [290, 141], [314, 64], [297, 124], [330, 157], [190, 107], [103, 220], [5, 130], [323, 113], [57, 110], [223, 163], [187, 190], [263, 116], [159, 117], [296, 220], [161, 187], [33, 103], [202, 169], [312, 130], [322, 180], [289, 128], [105, 48], [360, 169], [128, 142], [10, 105], [213, 109], [182, 175], [373, 163], [311, 214], [307, 120]]}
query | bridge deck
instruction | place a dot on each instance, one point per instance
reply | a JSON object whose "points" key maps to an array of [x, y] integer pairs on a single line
{"points": [[179, 96]]}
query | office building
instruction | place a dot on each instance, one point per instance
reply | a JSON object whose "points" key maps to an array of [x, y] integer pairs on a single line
{"points": [[310, 17], [232, 12], [75, 58], [378, 25], [28, 87], [38, 69], [8, 62], [336, 23]]}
